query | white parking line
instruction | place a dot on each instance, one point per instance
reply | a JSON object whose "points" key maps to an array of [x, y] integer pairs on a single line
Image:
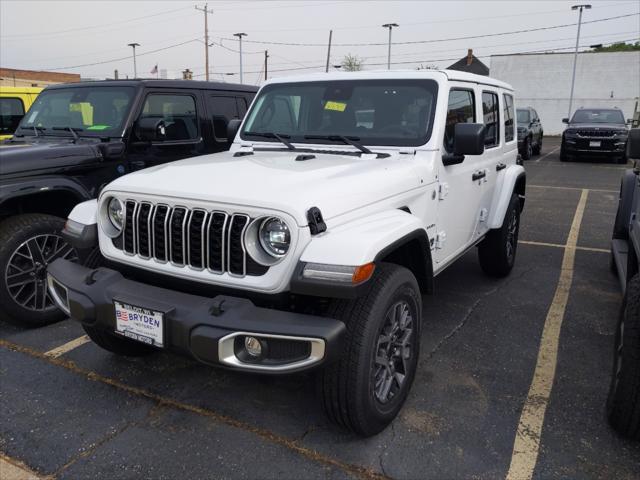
{"points": [[527, 442], [67, 347], [557, 245], [11, 469], [547, 154], [572, 188]]}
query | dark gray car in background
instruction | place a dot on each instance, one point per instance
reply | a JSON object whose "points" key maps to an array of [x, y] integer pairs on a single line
{"points": [[530, 132]]}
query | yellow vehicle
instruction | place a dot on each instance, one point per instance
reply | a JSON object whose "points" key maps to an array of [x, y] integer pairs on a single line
{"points": [[14, 103]]}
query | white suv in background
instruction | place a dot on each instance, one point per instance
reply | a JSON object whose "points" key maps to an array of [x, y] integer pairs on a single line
{"points": [[309, 244]]}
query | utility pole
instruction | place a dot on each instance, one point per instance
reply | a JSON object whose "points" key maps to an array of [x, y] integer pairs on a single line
{"points": [[206, 12], [135, 68], [240, 35], [390, 27], [326, 69], [266, 57], [575, 55]]}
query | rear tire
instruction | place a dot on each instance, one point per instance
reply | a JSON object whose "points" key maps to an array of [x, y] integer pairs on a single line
{"points": [[365, 389], [117, 344], [527, 150], [623, 403], [538, 148], [497, 252]]}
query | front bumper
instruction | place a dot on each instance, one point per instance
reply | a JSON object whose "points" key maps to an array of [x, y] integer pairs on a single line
{"points": [[581, 146], [204, 328]]}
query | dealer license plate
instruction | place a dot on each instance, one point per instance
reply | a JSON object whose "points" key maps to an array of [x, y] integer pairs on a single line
{"points": [[594, 143], [140, 324]]}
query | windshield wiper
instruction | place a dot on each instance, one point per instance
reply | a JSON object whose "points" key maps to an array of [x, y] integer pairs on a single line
{"points": [[71, 130], [282, 138], [353, 141], [35, 129]]}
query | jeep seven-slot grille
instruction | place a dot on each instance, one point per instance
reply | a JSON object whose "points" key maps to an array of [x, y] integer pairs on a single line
{"points": [[193, 237], [596, 133]]}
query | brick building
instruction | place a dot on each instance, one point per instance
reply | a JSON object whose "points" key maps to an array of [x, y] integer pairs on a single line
{"points": [[12, 77]]}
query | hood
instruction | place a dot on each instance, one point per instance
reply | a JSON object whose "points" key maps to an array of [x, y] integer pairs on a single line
{"points": [[31, 155], [335, 184], [597, 126]]}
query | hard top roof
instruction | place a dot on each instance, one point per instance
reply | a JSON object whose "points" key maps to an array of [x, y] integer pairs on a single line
{"points": [[161, 83]]}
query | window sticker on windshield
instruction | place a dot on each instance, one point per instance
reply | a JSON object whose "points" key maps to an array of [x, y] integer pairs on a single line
{"points": [[33, 116], [98, 127], [337, 106]]}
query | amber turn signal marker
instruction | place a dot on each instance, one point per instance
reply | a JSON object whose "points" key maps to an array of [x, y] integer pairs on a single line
{"points": [[363, 273]]}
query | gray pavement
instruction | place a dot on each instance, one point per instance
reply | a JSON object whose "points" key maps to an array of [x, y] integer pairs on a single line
{"points": [[90, 414]]}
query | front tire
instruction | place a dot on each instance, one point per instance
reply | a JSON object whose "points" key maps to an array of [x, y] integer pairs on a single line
{"points": [[117, 344], [563, 154], [497, 252], [527, 149], [28, 243], [365, 389], [538, 148], [623, 403]]}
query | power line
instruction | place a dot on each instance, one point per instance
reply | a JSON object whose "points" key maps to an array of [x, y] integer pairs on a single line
{"points": [[415, 42]]}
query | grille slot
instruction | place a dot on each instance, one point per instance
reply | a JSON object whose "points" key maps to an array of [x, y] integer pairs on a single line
{"points": [[596, 133], [196, 238]]}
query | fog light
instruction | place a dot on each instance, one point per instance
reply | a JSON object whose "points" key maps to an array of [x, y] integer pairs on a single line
{"points": [[253, 346]]}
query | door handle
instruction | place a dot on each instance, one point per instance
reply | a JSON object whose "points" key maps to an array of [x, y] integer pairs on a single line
{"points": [[479, 175], [500, 166]]}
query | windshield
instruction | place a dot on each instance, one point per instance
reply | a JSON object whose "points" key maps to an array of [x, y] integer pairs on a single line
{"points": [[523, 117], [373, 112], [598, 116], [88, 110]]}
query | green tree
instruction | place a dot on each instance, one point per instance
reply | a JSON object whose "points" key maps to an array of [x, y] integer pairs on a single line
{"points": [[618, 47], [352, 63]]}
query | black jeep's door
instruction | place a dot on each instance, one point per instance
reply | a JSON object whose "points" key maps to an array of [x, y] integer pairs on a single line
{"points": [[221, 108], [181, 113]]}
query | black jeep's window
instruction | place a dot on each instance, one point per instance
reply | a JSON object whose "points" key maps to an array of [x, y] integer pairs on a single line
{"points": [[222, 109], [11, 112], [376, 112], [178, 113], [508, 118], [90, 110], [490, 112], [461, 109]]}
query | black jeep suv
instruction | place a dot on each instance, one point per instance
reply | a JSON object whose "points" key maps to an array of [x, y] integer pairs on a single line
{"points": [[75, 139], [530, 132], [595, 132]]}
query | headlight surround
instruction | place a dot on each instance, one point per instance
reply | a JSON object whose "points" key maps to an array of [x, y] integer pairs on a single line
{"points": [[274, 236], [115, 213]]}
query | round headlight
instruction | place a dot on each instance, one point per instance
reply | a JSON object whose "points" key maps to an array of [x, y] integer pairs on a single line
{"points": [[115, 210], [275, 237]]}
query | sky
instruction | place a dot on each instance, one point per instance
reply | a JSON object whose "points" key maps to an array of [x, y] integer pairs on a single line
{"points": [[70, 36]]}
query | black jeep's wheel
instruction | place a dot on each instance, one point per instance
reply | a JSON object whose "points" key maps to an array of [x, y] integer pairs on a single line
{"points": [[117, 344], [365, 389], [623, 403], [497, 252], [527, 150], [538, 148], [28, 243]]}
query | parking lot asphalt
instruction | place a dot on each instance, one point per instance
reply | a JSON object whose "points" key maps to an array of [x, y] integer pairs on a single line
{"points": [[512, 380]]}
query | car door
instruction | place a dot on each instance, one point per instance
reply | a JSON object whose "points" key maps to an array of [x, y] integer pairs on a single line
{"points": [[179, 110], [458, 193], [222, 108], [537, 127]]}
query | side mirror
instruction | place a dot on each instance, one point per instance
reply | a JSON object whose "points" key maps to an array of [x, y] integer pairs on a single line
{"points": [[468, 139], [151, 129], [565, 120], [629, 121], [633, 144], [232, 129]]}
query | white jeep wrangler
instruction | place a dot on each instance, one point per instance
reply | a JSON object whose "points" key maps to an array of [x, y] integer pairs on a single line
{"points": [[308, 244]]}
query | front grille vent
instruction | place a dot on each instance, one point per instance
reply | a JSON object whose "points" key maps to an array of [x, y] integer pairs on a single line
{"points": [[596, 133]]}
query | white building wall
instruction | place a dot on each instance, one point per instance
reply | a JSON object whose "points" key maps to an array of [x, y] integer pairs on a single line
{"points": [[543, 81]]}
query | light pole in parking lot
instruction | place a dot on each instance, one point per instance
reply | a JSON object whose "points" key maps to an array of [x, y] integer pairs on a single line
{"points": [[240, 35], [135, 69], [390, 27], [575, 55]]}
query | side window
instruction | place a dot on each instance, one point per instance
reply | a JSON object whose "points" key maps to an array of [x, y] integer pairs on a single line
{"points": [[491, 116], [178, 113], [461, 109], [535, 116], [222, 109], [508, 118], [242, 106], [11, 112]]}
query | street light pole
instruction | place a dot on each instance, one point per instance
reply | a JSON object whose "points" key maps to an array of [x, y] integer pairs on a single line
{"points": [[240, 35], [390, 27], [135, 68], [575, 55]]}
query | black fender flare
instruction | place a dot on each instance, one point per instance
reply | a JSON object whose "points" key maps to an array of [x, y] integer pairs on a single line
{"points": [[625, 203], [23, 187]]}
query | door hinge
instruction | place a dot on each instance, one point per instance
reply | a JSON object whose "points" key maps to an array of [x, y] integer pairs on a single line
{"points": [[443, 191], [441, 238]]}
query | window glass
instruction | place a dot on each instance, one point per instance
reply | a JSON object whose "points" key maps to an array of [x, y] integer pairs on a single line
{"points": [[508, 118], [242, 106], [222, 110], [11, 112], [377, 112], [461, 109], [598, 116], [491, 119], [523, 117], [178, 113], [90, 110]]}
